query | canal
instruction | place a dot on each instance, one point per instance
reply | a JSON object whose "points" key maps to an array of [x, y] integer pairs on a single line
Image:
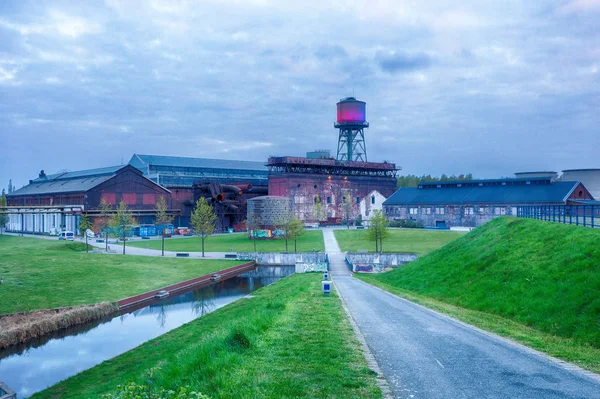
{"points": [[30, 368]]}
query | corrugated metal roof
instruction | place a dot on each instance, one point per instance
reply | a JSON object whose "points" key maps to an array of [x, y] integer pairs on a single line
{"points": [[109, 170], [42, 186], [487, 194], [142, 161]]}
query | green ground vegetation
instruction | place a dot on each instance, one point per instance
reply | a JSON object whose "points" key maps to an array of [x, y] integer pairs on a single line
{"points": [[239, 242], [535, 281], [418, 241], [286, 341], [42, 274]]}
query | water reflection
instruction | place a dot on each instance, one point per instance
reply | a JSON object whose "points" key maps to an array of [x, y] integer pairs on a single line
{"points": [[31, 368]]}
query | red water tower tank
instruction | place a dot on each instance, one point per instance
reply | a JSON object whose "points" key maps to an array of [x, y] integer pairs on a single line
{"points": [[351, 111]]}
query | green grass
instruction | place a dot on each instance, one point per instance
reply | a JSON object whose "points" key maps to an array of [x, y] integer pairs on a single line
{"points": [[540, 275], [419, 241], [58, 273], [288, 341], [239, 242]]}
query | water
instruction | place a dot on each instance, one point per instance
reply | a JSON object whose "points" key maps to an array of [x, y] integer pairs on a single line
{"points": [[39, 364]]}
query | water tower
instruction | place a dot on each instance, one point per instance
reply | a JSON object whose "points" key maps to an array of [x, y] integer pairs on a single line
{"points": [[351, 120]]}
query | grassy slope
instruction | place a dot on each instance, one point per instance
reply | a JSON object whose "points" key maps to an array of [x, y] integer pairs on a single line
{"points": [[543, 275], [401, 240], [59, 273], [239, 242], [288, 341]]}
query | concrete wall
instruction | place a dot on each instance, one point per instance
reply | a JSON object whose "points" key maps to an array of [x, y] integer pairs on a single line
{"points": [[303, 261], [374, 263]]}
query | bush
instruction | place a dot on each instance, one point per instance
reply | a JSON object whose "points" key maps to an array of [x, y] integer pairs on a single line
{"points": [[406, 223], [136, 391]]}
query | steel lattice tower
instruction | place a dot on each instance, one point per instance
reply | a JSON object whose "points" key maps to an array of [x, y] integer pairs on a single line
{"points": [[351, 122]]}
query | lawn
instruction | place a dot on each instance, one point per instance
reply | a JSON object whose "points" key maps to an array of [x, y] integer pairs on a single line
{"points": [[42, 274], [287, 341], [239, 242], [419, 241], [538, 275]]}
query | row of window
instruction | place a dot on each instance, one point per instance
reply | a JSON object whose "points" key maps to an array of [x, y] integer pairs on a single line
{"points": [[498, 211]]}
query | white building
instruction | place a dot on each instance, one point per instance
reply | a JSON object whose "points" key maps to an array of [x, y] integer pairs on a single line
{"points": [[373, 201]]}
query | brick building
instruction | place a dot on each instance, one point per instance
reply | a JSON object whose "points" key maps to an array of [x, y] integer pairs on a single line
{"points": [[474, 202]]}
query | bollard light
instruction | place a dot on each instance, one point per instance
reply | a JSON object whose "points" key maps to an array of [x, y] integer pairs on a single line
{"points": [[326, 286], [325, 275]]}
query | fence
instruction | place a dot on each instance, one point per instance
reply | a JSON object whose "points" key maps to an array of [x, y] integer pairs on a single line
{"points": [[580, 215]]}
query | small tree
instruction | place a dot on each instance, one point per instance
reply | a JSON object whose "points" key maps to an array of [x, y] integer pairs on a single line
{"points": [[103, 219], [283, 224], [296, 229], [121, 221], [3, 216], [203, 220], [85, 223], [378, 231], [162, 218], [348, 208], [318, 211], [252, 224]]}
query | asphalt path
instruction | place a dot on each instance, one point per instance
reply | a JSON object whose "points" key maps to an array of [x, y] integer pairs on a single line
{"points": [[427, 355]]}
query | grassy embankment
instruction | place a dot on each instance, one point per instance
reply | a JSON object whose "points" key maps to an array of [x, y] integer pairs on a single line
{"points": [[535, 282], [239, 242], [417, 241], [43, 274], [287, 341]]}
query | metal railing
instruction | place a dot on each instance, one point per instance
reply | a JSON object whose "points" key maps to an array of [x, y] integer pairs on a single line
{"points": [[579, 215]]}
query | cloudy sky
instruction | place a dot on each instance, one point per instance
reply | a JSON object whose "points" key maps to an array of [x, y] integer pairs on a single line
{"points": [[478, 87]]}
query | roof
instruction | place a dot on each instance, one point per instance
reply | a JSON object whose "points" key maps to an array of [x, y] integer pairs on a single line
{"points": [[142, 162], [70, 182], [582, 170], [523, 193], [585, 202]]}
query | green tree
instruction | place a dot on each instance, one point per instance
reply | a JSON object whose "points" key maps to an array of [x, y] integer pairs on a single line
{"points": [[103, 219], [318, 211], [4, 219], [296, 229], [378, 229], [252, 224], [121, 222], [203, 220], [85, 224], [162, 218], [348, 208]]}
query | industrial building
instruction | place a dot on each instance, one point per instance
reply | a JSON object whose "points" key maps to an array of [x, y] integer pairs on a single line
{"points": [[474, 202], [191, 178], [50, 204], [589, 177], [320, 182]]}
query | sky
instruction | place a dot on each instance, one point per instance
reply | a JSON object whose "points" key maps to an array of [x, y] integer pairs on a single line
{"points": [[482, 87]]}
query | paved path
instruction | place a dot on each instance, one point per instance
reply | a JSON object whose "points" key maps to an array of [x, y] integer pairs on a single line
{"points": [[427, 355], [337, 263]]}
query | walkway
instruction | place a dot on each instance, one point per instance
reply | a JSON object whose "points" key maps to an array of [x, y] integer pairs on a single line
{"points": [[337, 263], [427, 355]]}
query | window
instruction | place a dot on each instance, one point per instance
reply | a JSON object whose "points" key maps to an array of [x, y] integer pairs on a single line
{"points": [[372, 199], [148, 199], [468, 211], [427, 211], [358, 200], [482, 211], [413, 211], [129, 198], [109, 198], [344, 199], [499, 211], [329, 200], [440, 211]]}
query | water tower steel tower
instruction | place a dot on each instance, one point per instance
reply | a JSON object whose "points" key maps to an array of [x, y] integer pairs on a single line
{"points": [[351, 120]]}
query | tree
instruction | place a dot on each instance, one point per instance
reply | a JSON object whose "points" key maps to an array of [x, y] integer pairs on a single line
{"points": [[103, 219], [252, 224], [203, 220], [11, 188], [348, 208], [162, 218], [85, 223], [296, 229], [378, 231], [121, 221], [318, 211], [3, 216]]}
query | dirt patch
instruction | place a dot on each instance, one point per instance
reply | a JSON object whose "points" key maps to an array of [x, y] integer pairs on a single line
{"points": [[19, 328]]}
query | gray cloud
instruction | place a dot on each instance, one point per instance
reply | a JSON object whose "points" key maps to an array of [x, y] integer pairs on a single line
{"points": [[393, 62]]}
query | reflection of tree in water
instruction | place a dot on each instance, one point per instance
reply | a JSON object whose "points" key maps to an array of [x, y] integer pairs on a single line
{"points": [[161, 317], [203, 301]]}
